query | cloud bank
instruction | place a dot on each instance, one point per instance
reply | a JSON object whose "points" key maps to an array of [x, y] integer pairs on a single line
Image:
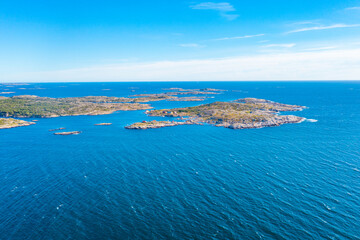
{"points": [[353, 8], [223, 8], [324, 27], [317, 65], [238, 37]]}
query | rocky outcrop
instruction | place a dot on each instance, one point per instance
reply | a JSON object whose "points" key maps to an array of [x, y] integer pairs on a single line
{"points": [[156, 124], [56, 129], [67, 133], [239, 114], [12, 123]]}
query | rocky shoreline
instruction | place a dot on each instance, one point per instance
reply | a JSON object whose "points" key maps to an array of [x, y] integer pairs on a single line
{"points": [[273, 122], [239, 114], [156, 124], [67, 133], [103, 124], [25, 106], [6, 123], [57, 129]]}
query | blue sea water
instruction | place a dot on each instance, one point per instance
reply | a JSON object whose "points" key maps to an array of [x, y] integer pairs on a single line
{"points": [[296, 181]]}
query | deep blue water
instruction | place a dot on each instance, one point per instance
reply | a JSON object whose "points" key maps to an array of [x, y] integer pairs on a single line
{"points": [[297, 181]]}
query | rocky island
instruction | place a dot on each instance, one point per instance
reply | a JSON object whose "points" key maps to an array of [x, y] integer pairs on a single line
{"points": [[163, 96], [67, 133], [56, 129], [238, 114], [25, 106], [156, 124], [194, 90], [12, 123], [44, 107], [32, 106], [173, 95], [191, 93], [151, 97], [187, 99]]}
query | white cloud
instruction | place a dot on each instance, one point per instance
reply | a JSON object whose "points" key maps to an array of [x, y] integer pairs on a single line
{"points": [[289, 45], [223, 8], [190, 45], [320, 48], [318, 65], [353, 8], [239, 37], [324, 27], [308, 23], [303, 23]]}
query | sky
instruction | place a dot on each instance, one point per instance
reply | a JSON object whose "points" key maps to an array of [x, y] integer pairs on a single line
{"points": [[158, 40]]}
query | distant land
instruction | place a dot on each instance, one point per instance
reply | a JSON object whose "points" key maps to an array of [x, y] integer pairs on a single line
{"points": [[238, 114], [26, 106]]}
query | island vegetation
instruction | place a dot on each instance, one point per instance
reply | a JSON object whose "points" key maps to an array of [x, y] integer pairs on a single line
{"points": [[34, 106], [191, 93], [12, 123], [156, 124], [174, 92], [149, 97], [187, 99], [239, 114], [193, 90], [44, 107]]}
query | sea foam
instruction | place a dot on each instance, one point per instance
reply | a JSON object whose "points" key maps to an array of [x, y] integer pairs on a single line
{"points": [[311, 120]]}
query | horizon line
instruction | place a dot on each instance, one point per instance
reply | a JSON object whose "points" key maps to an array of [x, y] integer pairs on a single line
{"points": [[187, 81]]}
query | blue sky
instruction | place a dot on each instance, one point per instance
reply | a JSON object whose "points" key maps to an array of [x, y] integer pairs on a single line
{"points": [[179, 40]]}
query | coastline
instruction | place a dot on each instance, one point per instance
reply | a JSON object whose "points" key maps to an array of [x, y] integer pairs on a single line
{"points": [[6, 123]]}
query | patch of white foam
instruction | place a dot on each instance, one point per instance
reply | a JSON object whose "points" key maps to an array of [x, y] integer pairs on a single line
{"points": [[311, 120]]}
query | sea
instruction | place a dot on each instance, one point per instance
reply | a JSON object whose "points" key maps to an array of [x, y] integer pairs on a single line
{"points": [[295, 181]]}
